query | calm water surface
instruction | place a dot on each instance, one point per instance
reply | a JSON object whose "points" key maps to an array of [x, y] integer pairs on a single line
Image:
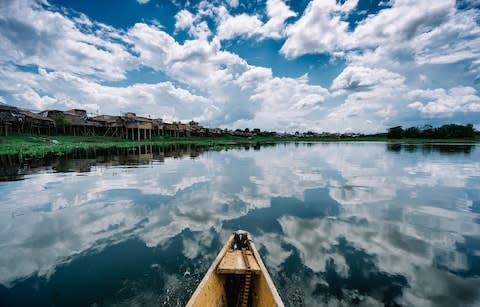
{"points": [[339, 224]]}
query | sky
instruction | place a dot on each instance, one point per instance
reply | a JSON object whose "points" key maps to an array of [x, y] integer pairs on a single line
{"points": [[283, 65]]}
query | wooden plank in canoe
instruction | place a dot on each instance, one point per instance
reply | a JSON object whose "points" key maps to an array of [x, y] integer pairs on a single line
{"points": [[232, 263]]}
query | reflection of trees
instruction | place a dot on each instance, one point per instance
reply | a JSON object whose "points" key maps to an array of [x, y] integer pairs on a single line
{"points": [[14, 167], [449, 149]]}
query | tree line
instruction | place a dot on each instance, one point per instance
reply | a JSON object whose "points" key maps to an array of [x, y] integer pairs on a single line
{"points": [[450, 131]]}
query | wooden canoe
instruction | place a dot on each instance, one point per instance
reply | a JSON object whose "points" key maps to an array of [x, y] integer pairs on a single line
{"points": [[236, 278]]}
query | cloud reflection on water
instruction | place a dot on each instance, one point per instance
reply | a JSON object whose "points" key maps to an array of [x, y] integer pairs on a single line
{"points": [[332, 210]]}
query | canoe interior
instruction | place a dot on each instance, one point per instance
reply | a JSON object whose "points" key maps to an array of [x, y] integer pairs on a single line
{"points": [[227, 283]]}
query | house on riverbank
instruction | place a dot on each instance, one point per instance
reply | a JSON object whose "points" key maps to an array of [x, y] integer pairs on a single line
{"points": [[170, 129], [14, 120], [72, 122], [137, 127], [110, 125], [76, 122]]}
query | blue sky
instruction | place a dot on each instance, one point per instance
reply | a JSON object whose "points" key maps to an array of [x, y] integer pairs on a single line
{"points": [[321, 65]]}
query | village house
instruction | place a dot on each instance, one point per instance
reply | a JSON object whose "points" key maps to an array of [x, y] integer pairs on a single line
{"points": [[157, 127], [196, 129], [77, 122], [110, 125], [183, 129], [73, 122], [170, 129], [214, 132], [15, 120], [137, 127]]}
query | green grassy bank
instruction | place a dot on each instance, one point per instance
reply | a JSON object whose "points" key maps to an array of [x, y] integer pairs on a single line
{"points": [[37, 146]]}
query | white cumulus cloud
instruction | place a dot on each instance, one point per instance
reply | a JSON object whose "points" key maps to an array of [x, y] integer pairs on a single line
{"points": [[32, 35]]}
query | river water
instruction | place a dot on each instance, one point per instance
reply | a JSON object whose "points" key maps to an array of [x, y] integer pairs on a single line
{"points": [[337, 224]]}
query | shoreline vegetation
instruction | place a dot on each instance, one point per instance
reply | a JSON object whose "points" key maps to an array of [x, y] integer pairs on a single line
{"points": [[39, 146]]}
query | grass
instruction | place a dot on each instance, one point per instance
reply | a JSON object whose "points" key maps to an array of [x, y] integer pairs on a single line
{"points": [[38, 146]]}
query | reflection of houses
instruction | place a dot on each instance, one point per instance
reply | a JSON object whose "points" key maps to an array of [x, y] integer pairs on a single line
{"points": [[81, 160], [15, 120]]}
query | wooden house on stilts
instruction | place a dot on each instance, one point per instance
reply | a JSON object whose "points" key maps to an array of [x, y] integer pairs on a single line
{"points": [[14, 120]]}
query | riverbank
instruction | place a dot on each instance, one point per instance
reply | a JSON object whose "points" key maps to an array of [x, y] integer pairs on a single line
{"points": [[37, 146]]}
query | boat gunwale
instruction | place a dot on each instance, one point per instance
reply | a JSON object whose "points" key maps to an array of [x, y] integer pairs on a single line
{"points": [[221, 254], [263, 269], [211, 270]]}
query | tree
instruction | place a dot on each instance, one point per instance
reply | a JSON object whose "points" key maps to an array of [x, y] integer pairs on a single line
{"points": [[455, 131], [412, 132], [60, 121], [395, 132], [449, 131], [427, 131], [470, 131]]}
